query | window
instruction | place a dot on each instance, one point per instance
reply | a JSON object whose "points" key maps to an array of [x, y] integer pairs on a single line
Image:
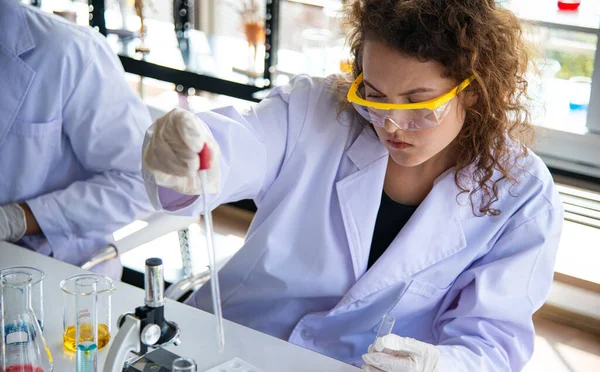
{"points": [[566, 49], [564, 61], [567, 43], [311, 41]]}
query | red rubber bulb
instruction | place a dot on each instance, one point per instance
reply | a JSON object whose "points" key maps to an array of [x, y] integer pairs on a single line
{"points": [[204, 158]]}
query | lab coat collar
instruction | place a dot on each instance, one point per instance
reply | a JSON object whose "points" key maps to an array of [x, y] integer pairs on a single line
{"points": [[15, 35], [360, 192], [431, 235], [366, 148]]}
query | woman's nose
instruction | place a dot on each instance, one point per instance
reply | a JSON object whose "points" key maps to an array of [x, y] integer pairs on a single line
{"points": [[389, 126], [392, 125]]}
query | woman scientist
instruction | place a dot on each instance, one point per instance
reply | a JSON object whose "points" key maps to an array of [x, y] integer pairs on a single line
{"points": [[414, 195]]}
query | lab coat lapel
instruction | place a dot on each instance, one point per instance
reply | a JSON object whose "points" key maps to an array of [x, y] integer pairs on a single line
{"points": [[433, 233], [359, 195], [15, 76]]}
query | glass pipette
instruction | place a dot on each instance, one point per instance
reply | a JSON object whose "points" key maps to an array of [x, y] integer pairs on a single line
{"points": [[208, 227]]}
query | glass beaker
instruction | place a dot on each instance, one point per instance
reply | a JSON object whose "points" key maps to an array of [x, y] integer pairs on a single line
{"points": [[316, 42], [24, 349], [105, 289], [183, 365], [37, 289], [580, 90], [86, 335]]}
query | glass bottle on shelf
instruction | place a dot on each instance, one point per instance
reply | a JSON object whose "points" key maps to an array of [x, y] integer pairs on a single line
{"points": [[254, 29]]}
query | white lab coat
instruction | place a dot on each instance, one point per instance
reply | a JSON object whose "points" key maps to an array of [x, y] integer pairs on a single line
{"points": [[467, 284], [70, 132]]}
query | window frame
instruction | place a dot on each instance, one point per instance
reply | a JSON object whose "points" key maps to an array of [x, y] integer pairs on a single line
{"points": [[573, 152], [593, 119]]}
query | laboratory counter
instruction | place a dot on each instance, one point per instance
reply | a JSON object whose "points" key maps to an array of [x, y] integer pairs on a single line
{"points": [[198, 330]]}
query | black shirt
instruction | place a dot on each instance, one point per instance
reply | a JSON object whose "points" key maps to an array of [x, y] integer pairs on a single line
{"points": [[391, 218]]}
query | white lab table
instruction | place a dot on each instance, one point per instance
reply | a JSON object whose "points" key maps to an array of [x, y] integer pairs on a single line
{"points": [[197, 327]]}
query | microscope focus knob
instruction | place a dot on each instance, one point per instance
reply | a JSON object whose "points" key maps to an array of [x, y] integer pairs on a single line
{"points": [[122, 319], [150, 334]]}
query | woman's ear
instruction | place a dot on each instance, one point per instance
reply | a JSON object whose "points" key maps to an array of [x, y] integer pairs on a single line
{"points": [[469, 99]]}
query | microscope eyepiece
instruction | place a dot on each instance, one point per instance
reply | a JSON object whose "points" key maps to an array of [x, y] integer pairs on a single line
{"points": [[154, 283], [154, 262]]}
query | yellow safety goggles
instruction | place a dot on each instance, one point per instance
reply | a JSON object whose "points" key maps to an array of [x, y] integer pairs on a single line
{"points": [[405, 116]]}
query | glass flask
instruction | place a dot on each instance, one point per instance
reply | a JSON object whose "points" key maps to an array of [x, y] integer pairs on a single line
{"points": [[37, 289], [25, 349]]}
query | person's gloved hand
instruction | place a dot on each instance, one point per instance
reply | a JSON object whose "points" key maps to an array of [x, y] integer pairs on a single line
{"points": [[173, 154], [12, 223], [393, 353]]}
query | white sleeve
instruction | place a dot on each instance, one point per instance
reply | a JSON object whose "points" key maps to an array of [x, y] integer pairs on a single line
{"points": [[253, 145]]}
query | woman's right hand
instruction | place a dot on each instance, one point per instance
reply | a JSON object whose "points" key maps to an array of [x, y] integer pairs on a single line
{"points": [[172, 155]]}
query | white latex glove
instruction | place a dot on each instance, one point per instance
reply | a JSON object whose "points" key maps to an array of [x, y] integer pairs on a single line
{"points": [[172, 154], [12, 223], [393, 353]]}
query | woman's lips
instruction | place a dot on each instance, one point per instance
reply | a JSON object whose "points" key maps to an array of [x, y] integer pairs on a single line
{"points": [[399, 145]]}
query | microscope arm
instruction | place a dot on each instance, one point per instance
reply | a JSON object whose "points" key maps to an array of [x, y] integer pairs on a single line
{"points": [[128, 339]]}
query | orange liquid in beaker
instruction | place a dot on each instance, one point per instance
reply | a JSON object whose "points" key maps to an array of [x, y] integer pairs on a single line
{"points": [[86, 329]]}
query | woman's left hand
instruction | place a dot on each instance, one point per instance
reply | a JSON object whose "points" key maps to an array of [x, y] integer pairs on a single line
{"points": [[393, 353]]}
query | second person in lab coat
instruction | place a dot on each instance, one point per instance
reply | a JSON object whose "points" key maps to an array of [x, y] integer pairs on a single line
{"points": [[409, 192], [69, 128]]}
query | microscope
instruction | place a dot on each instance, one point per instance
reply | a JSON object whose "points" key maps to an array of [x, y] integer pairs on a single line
{"points": [[145, 330]]}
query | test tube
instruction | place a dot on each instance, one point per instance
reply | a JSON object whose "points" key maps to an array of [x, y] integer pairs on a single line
{"points": [[385, 328], [183, 365], [86, 331]]}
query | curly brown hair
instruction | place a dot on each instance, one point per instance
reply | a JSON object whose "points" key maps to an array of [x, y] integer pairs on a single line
{"points": [[469, 38]]}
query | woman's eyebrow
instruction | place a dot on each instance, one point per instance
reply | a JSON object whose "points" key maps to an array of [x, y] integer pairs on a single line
{"points": [[407, 93], [371, 86]]}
